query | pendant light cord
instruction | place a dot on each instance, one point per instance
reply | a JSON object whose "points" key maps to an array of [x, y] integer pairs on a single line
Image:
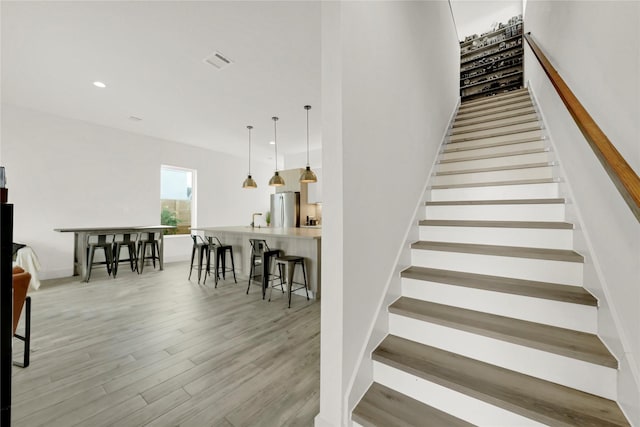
{"points": [[249, 127], [307, 137], [275, 139], [307, 107]]}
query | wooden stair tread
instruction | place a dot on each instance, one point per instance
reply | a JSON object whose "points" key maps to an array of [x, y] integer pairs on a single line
{"points": [[497, 224], [495, 183], [507, 285], [494, 110], [498, 102], [565, 342], [497, 202], [508, 115], [503, 105], [496, 168], [531, 397], [506, 251], [493, 155], [488, 100], [489, 126], [452, 147], [498, 132], [383, 407]]}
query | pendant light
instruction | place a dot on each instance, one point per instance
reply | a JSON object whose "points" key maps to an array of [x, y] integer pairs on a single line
{"points": [[249, 182], [276, 180], [308, 175]]}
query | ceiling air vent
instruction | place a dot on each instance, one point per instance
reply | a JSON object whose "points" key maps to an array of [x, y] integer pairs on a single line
{"points": [[218, 60]]}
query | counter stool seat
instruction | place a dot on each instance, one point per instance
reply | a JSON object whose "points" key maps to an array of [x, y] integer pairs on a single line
{"points": [[99, 241], [149, 240], [220, 251], [289, 263], [202, 248], [126, 240], [261, 256]]}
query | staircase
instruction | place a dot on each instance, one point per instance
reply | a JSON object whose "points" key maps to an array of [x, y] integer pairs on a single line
{"points": [[493, 327]]}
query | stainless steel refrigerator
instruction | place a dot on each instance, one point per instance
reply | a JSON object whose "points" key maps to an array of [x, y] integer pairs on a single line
{"points": [[285, 209]]}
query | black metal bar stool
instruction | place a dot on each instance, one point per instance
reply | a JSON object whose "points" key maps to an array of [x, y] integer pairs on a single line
{"points": [[261, 256], [99, 241], [126, 240], [289, 263], [202, 248], [220, 250], [149, 240]]}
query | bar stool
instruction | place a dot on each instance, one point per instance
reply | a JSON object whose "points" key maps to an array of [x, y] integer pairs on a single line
{"points": [[220, 250], [202, 248], [99, 241], [261, 256], [289, 263], [151, 240], [126, 240]]}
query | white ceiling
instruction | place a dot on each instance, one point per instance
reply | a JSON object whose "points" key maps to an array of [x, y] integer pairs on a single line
{"points": [[476, 16], [150, 55]]}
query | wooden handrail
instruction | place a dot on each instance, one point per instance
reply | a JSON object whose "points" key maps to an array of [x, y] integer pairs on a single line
{"points": [[622, 175]]}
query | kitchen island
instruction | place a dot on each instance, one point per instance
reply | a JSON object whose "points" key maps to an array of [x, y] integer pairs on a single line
{"points": [[305, 242]]}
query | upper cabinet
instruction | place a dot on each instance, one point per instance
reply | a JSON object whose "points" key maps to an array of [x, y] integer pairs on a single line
{"points": [[315, 188], [291, 180], [492, 63], [309, 193]]}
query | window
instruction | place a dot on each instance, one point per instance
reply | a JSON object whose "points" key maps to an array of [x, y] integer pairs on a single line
{"points": [[176, 198]]}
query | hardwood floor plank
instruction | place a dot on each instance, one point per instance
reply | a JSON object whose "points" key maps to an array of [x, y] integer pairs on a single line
{"points": [[151, 411], [157, 349], [44, 416], [110, 415]]}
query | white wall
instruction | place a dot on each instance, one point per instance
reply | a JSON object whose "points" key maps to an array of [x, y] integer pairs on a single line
{"points": [[299, 160], [595, 47], [67, 173], [393, 83]]}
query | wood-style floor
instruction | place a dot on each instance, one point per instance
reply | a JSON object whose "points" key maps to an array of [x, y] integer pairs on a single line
{"points": [[155, 349]]}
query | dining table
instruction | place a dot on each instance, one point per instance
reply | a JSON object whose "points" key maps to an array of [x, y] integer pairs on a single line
{"points": [[81, 241]]}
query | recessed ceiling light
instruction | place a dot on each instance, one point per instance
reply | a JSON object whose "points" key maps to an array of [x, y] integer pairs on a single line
{"points": [[99, 84], [272, 142]]}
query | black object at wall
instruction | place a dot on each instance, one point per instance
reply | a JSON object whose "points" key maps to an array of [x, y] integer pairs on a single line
{"points": [[6, 311]]}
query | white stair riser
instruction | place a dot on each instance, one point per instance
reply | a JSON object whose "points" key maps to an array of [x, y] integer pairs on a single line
{"points": [[506, 113], [494, 176], [574, 373], [540, 270], [497, 139], [497, 151], [548, 312], [474, 144], [477, 111], [520, 127], [513, 95], [523, 237], [495, 162], [448, 400], [524, 212], [494, 123], [498, 192]]}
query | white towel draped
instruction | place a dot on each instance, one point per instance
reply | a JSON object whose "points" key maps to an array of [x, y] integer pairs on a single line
{"points": [[27, 259]]}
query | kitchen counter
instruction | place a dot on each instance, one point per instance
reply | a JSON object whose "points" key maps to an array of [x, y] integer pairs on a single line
{"points": [[304, 242], [295, 233]]}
